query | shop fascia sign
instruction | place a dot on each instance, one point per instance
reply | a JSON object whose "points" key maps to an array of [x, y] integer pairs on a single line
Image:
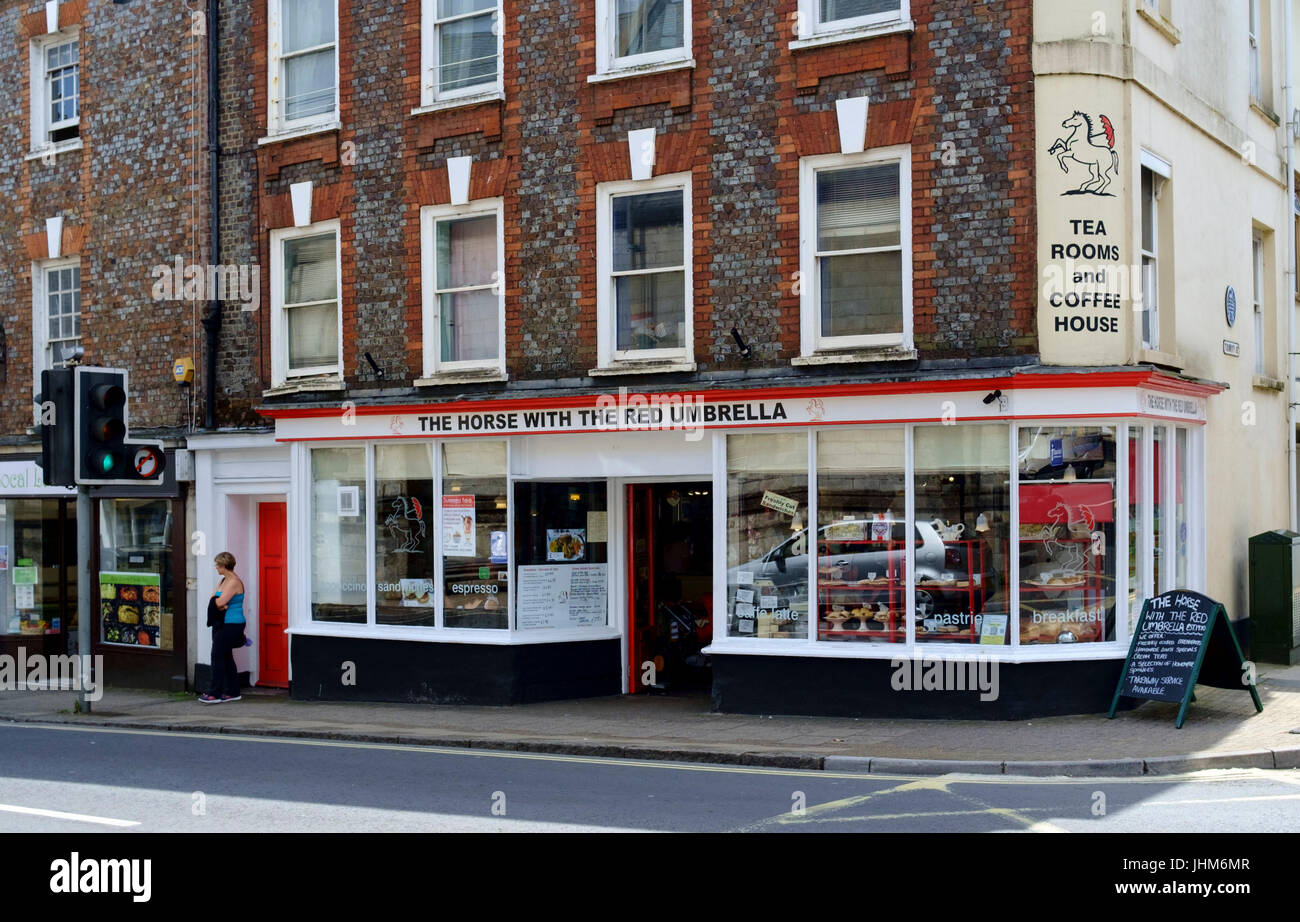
{"points": [[691, 414], [25, 478], [631, 412]]}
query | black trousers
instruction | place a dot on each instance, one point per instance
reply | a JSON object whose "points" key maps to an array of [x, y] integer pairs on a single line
{"points": [[225, 675]]}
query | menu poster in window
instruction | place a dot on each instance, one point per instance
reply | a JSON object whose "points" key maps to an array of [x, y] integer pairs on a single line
{"points": [[565, 543], [130, 607], [562, 597], [24, 597], [458, 525]]}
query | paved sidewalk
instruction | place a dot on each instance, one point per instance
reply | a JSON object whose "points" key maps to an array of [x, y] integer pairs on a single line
{"points": [[1222, 730]]}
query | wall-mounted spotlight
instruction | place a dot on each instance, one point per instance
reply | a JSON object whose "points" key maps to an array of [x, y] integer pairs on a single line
{"points": [[379, 372], [745, 351]]}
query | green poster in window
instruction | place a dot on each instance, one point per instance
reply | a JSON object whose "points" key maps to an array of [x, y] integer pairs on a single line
{"points": [[24, 576], [130, 605]]}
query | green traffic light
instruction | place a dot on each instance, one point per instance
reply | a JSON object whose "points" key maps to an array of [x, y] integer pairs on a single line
{"points": [[107, 464]]}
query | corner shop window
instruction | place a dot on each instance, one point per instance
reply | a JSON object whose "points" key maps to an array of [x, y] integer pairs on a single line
{"points": [[404, 524], [135, 573], [473, 525], [862, 536], [562, 555], [1067, 534], [767, 539], [1137, 555], [338, 535], [963, 502], [1159, 511]]}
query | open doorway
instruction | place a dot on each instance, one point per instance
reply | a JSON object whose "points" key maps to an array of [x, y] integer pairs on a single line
{"points": [[670, 586]]}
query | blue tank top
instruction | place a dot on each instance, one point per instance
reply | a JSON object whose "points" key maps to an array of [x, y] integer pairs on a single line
{"points": [[234, 613]]}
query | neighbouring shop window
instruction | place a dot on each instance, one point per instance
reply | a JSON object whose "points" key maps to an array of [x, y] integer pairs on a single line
{"points": [[338, 535], [135, 573], [862, 535], [561, 554], [1137, 555], [767, 535], [473, 525], [963, 529], [404, 535], [38, 573], [1067, 534]]}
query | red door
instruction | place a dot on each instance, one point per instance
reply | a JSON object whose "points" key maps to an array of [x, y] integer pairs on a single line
{"points": [[273, 596]]}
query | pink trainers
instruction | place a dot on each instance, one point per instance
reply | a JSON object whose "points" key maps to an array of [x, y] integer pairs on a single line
{"points": [[209, 699]]}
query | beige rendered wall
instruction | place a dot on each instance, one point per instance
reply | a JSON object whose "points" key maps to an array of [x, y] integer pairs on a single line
{"points": [[1179, 89]]}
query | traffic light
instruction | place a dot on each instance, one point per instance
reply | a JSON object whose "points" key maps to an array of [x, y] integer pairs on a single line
{"points": [[103, 453], [56, 417]]}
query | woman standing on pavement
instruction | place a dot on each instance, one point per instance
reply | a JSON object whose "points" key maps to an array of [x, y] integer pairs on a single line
{"points": [[226, 618]]}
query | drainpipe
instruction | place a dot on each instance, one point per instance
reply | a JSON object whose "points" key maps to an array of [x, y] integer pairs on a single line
{"points": [[212, 322], [1288, 138]]}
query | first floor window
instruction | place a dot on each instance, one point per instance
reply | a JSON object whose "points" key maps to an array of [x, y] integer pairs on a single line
{"points": [[856, 257], [645, 255], [1150, 262], [464, 46], [646, 26], [1257, 300], [467, 299], [62, 297], [307, 301]]}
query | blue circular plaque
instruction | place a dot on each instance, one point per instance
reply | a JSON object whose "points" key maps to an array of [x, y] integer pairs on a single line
{"points": [[1230, 305]]}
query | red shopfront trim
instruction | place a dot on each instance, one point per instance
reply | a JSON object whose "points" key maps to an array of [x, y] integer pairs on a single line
{"points": [[1114, 379]]}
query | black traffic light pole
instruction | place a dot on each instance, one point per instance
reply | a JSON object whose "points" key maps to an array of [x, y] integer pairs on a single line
{"points": [[83, 594]]}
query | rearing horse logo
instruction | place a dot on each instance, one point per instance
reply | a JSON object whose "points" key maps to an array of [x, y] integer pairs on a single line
{"points": [[1095, 150], [406, 523]]}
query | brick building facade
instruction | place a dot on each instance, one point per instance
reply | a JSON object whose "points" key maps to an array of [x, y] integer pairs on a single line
{"points": [[104, 179]]}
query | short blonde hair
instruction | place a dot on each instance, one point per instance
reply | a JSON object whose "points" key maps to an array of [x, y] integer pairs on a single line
{"points": [[226, 559]]}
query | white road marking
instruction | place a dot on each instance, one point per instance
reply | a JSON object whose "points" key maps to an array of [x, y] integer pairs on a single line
{"points": [[60, 815]]}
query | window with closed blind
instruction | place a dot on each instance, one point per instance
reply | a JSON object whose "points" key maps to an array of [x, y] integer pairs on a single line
{"points": [[464, 294], [856, 251], [305, 300], [462, 48], [304, 63]]}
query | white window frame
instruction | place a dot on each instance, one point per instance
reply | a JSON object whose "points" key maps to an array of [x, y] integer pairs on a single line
{"points": [[607, 41], [609, 355], [809, 24], [280, 373], [430, 91], [40, 312], [1253, 28], [1149, 317], [809, 290], [277, 121], [430, 215], [41, 126], [1257, 300]]}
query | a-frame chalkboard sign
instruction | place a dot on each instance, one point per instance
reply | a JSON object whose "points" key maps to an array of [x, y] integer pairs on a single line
{"points": [[1183, 638]]}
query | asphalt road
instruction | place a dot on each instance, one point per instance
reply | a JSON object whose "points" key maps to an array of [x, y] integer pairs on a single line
{"points": [[61, 779]]}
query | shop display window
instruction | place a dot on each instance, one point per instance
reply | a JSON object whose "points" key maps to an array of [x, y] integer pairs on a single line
{"points": [[1068, 514], [862, 536], [767, 535], [338, 535], [1159, 511], [1137, 557], [38, 572], [561, 555], [963, 500], [473, 529], [404, 523], [135, 573]]}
